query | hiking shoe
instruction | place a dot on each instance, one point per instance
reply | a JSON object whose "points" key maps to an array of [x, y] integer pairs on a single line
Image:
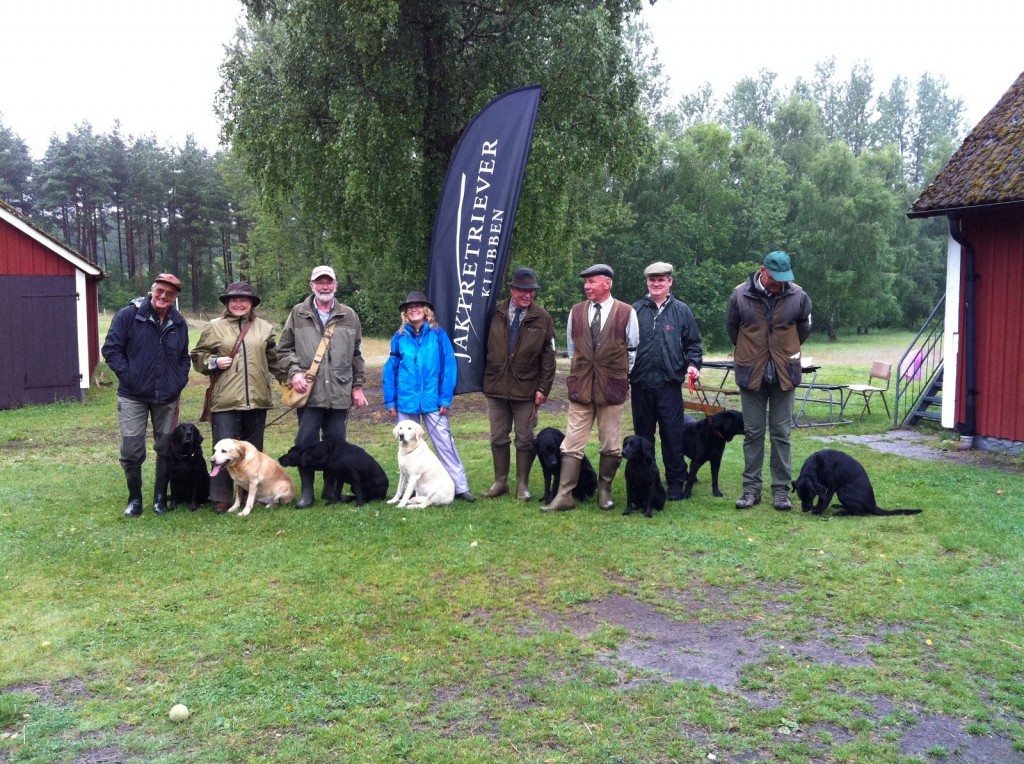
{"points": [[748, 500], [675, 491], [782, 501]]}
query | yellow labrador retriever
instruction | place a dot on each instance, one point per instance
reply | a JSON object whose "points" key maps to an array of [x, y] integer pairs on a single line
{"points": [[419, 470], [253, 471]]}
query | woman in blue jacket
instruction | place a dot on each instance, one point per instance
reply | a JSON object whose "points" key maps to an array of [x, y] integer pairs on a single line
{"points": [[419, 382]]}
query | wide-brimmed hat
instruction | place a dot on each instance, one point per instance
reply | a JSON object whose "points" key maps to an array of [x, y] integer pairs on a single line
{"points": [[240, 289], [598, 269], [415, 297], [323, 270], [779, 265], [169, 279], [524, 278]]}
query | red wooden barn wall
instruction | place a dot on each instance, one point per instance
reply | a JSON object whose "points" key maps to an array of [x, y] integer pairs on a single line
{"points": [[21, 255], [998, 241]]}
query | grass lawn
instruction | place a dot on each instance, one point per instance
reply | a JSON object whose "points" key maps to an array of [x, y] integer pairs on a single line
{"points": [[494, 633]]}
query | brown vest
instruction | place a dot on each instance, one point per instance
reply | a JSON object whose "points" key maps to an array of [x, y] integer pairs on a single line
{"points": [[599, 375]]}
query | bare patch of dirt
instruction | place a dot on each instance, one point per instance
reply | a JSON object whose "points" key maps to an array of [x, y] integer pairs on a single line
{"points": [[719, 652]]}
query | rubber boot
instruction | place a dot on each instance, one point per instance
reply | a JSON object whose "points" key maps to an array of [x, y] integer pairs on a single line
{"points": [[524, 460], [564, 500], [306, 478], [133, 477], [501, 456], [605, 475], [163, 476]]}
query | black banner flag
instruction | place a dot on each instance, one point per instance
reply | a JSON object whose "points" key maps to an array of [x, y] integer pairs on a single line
{"points": [[469, 247]]}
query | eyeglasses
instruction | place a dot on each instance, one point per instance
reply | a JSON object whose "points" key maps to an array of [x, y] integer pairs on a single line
{"points": [[165, 292]]}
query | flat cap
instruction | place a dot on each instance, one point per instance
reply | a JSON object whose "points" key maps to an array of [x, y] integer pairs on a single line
{"points": [[598, 269], [658, 269], [169, 279]]}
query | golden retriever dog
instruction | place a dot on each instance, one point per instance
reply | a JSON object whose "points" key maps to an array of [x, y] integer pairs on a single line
{"points": [[419, 470], [253, 471]]}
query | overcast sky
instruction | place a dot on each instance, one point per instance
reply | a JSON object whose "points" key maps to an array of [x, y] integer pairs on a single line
{"points": [[154, 65]]}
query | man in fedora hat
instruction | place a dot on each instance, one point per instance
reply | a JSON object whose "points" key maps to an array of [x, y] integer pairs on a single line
{"points": [[241, 394], [338, 385], [670, 351], [768, 318], [602, 335], [517, 379], [147, 348]]}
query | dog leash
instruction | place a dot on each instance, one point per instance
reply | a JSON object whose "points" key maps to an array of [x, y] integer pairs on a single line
{"points": [[698, 392]]}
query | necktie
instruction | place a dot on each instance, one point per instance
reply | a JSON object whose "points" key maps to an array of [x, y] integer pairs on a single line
{"points": [[513, 331], [595, 323]]}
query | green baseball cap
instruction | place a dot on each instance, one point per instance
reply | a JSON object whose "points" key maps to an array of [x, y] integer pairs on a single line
{"points": [[779, 265]]}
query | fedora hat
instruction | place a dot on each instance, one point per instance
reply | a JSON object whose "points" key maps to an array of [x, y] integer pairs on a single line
{"points": [[240, 289], [415, 297], [524, 278]]}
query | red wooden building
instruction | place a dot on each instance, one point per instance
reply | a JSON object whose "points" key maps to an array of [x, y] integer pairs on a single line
{"points": [[49, 316], [981, 192]]}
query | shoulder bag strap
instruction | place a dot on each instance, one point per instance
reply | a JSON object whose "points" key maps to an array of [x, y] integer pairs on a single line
{"points": [[318, 357], [215, 374]]}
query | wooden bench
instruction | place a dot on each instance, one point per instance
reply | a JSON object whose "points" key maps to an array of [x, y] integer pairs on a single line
{"points": [[712, 395]]}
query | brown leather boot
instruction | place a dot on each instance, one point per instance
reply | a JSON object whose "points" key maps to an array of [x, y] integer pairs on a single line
{"points": [[609, 465], [570, 474], [524, 460], [501, 456]]}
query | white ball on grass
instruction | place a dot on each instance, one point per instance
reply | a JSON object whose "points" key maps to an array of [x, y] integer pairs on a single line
{"points": [[179, 712]]}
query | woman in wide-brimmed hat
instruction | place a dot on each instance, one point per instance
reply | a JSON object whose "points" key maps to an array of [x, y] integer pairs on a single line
{"points": [[419, 382], [241, 393]]}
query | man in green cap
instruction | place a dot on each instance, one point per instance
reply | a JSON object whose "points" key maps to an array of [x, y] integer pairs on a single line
{"points": [[768, 318]]}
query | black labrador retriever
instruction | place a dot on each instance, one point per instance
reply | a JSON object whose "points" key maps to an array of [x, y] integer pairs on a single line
{"points": [[704, 441], [827, 473], [644, 489], [189, 476], [546, 448], [341, 462]]}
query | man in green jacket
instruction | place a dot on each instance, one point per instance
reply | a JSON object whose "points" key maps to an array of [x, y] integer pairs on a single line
{"points": [[338, 384], [768, 317]]}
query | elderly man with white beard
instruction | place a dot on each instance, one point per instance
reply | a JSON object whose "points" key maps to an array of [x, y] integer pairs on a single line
{"points": [[338, 384]]}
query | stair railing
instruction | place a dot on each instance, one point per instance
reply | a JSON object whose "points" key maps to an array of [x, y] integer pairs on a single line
{"points": [[919, 365]]}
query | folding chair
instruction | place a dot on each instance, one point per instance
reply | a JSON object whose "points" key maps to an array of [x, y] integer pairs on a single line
{"points": [[880, 370]]}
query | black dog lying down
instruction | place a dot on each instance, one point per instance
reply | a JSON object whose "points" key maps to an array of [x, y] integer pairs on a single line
{"points": [[644, 489], [341, 462], [189, 477], [704, 441], [546, 447], [829, 472]]}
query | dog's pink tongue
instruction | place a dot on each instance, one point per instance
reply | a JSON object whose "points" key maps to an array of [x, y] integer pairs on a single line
{"points": [[215, 470]]}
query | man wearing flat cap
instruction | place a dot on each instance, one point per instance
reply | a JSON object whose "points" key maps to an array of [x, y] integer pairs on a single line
{"points": [[517, 379], [768, 318], [338, 384], [602, 336], [147, 348], [670, 350]]}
